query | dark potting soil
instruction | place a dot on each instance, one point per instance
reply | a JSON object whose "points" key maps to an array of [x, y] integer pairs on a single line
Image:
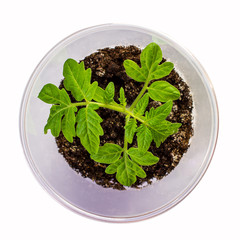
{"points": [[107, 66]]}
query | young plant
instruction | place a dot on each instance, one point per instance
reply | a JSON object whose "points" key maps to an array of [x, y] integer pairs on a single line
{"points": [[82, 120]]}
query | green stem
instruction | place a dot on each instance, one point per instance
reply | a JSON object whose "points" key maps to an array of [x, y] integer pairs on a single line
{"points": [[117, 108], [140, 94], [125, 147]]}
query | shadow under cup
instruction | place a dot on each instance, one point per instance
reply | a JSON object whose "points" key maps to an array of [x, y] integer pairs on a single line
{"points": [[81, 194]]}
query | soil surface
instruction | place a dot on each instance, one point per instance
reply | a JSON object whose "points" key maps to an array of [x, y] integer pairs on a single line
{"points": [[107, 66]]}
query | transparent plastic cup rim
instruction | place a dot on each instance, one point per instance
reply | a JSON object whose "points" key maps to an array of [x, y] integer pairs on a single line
{"points": [[59, 198]]}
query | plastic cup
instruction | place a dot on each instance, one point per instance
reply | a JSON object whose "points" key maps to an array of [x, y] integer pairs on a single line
{"points": [[84, 196]]}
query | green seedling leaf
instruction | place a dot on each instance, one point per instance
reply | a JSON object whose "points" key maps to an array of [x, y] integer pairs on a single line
{"points": [[62, 115], [139, 171], [134, 71], [156, 123], [122, 99], [130, 129], [150, 55], [109, 93], [162, 70], [109, 153], [157, 115], [91, 91], [54, 120], [143, 159], [99, 95], [68, 124], [162, 131], [141, 105], [89, 128], [172, 128], [150, 69], [112, 168], [127, 172], [144, 137], [163, 91], [52, 95], [77, 79]]}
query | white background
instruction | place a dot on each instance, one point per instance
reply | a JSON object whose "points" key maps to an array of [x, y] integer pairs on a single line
{"points": [[209, 29]]}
